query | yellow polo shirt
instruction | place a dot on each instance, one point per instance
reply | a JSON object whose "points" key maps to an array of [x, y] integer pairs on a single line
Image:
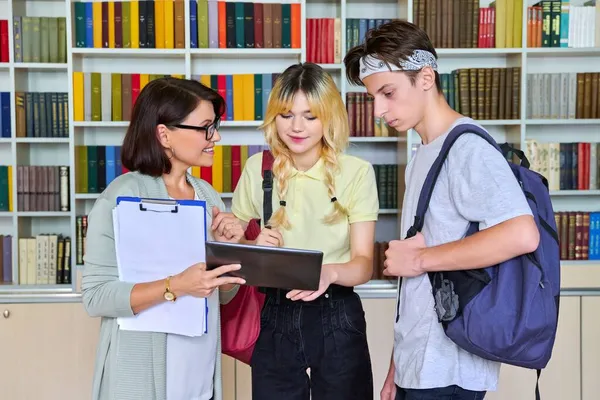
{"points": [[307, 203]]}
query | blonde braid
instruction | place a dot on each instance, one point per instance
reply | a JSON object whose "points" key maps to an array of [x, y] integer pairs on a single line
{"points": [[282, 170], [331, 167]]}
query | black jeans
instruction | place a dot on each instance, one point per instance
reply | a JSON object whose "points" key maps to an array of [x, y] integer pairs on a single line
{"points": [[444, 393], [327, 335]]}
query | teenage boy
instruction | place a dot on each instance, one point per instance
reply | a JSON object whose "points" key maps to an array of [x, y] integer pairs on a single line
{"points": [[398, 66]]}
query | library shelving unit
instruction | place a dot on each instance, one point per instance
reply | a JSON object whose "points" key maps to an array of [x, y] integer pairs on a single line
{"points": [[18, 76]]}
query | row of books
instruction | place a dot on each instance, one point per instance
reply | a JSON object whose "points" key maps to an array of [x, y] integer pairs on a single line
{"points": [[556, 23], [130, 24], [6, 275], [324, 41], [4, 40], [43, 188], [464, 24], [42, 114], [6, 188], [387, 177], [484, 93], [81, 223], [237, 24], [40, 39], [361, 118], [96, 167], [563, 95], [567, 166], [44, 259], [356, 30], [5, 115], [578, 234], [110, 96]]}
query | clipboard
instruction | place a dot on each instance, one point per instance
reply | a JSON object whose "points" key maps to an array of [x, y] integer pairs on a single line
{"points": [[155, 238], [264, 266]]}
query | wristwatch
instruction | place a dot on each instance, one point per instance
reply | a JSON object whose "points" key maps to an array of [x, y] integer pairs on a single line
{"points": [[168, 295]]}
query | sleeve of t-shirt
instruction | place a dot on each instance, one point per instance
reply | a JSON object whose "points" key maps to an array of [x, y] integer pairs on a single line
{"points": [[242, 204], [364, 205], [482, 185]]}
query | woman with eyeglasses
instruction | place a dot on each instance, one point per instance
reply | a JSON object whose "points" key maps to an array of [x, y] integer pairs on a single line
{"points": [[174, 126]]}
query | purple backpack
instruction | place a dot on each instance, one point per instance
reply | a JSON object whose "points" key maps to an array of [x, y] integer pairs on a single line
{"points": [[507, 312]]}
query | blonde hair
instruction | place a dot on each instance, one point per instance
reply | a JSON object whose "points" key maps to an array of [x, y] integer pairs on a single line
{"points": [[325, 104]]}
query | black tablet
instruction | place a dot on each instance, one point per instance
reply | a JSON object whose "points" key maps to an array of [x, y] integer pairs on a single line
{"points": [[275, 267]]}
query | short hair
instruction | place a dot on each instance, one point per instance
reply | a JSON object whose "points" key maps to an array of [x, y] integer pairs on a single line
{"points": [[326, 104], [392, 42], [166, 101]]}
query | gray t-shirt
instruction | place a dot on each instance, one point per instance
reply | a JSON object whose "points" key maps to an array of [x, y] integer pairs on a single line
{"points": [[475, 184]]}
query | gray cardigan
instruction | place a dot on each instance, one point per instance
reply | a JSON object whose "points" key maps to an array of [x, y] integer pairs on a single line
{"points": [[130, 365]]}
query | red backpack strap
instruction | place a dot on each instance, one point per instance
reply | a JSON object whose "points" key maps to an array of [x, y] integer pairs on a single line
{"points": [[267, 184]]}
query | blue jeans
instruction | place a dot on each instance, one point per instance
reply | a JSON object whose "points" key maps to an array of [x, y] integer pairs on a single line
{"points": [[444, 393], [327, 335]]}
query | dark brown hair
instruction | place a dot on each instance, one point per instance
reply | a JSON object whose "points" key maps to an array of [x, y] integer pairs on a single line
{"points": [[391, 42], [165, 101]]}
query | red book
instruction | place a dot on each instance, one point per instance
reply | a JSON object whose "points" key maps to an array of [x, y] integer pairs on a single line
{"points": [[206, 174], [222, 90], [3, 41], [135, 88], [258, 26]]}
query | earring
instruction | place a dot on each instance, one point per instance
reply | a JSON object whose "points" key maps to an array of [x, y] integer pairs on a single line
{"points": [[172, 153]]}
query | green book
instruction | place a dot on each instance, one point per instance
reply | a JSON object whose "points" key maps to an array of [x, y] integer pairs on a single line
{"points": [[286, 26]]}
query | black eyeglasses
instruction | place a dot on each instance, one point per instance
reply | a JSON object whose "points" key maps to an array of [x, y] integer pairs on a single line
{"points": [[210, 129]]}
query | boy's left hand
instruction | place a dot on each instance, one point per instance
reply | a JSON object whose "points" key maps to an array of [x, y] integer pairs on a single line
{"points": [[403, 257], [226, 227]]}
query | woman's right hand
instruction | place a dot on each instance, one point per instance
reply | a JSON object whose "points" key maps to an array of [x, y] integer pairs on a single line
{"points": [[269, 237], [198, 282]]}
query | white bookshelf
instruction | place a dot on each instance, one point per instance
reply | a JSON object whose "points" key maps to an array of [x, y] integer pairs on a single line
{"points": [[189, 62]]}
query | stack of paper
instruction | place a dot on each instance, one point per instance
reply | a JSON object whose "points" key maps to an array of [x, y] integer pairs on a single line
{"points": [[155, 239]]}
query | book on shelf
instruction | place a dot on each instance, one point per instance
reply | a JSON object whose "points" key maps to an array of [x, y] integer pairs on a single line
{"points": [[96, 167], [43, 188], [40, 39], [155, 24], [566, 166], [244, 25], [484, 93], [81, 223], [6, 188], [356, 30], [361, 119], [324, 41], [465, 24], [42, 114], [111, 96], [6, 275], [379, 249], [5, 115], [4, 40], [388, 177], [579, 234], [563, 95], [556, 23], [44, 259]]}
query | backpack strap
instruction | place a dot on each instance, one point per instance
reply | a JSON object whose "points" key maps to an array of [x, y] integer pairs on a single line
{"points": [[429, 184], [434, 172], [267, 185]]}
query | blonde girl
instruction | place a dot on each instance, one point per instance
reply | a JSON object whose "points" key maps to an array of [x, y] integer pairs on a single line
{"points": [[326, 200]]}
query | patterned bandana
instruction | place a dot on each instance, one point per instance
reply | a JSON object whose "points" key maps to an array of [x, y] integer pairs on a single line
{"points": [[417, 61]]}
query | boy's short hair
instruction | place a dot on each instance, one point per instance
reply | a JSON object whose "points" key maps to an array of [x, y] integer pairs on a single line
{"points": [[393, 42]]}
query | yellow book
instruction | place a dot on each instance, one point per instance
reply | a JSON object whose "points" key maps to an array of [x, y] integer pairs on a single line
{"points": [[510, 21], [196, 172], [500, 24], [10, 189], [169, 25], [111, 24], [178, 76], [97, 22], [238, 97], [243, 155], [205, 80], [217, 169], [248, 101], [144, 79], [159, 24], [134, 23], [518, 23], [78, 90]]}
